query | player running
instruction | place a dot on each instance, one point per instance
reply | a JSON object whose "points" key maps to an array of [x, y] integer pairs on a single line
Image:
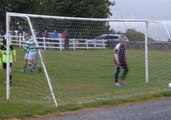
{"points": [[120, 62]]}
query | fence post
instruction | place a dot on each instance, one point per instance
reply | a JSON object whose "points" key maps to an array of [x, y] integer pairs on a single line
{"points": [[87, 45], [20, 40], [60, 44], [94, 43], [23, 39], [73, 42], [104, 44], [44, 42]]}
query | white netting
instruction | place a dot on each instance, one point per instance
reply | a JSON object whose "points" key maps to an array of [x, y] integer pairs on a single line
{"points": [[159, 53], [85, 71]]}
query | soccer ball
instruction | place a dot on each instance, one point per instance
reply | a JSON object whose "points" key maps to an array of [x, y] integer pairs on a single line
{"points": [[169, 85]]}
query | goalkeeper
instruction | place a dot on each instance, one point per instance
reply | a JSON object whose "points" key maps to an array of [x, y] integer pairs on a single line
{"points": [[12, 57], [120, 62], [30, 54]]}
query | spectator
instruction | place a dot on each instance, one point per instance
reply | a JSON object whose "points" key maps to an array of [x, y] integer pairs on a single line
{"points": [[46, 35], [65, 36], [55, 35]]}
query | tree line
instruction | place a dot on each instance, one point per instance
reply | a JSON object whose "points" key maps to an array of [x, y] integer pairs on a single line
{"points": [[72, 8]]}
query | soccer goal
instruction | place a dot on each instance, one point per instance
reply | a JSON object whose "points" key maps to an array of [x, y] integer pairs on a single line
{"points": [[75, 56]]}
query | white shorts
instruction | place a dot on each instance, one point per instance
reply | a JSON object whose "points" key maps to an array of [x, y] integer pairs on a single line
{"points": [[31, 56]]}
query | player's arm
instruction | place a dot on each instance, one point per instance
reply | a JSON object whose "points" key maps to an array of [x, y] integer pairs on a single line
{"points": [[126, 55], [26, 46], [116, 56]]}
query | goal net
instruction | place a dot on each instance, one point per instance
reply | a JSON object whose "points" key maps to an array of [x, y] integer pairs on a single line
{"points": [[75, 60]]}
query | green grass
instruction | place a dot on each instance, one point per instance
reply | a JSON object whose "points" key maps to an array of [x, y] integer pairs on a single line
{"points": [[83, 78]]}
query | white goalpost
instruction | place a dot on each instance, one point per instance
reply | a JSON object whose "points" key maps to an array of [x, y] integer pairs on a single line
{"points": [[39, 53], [167, 31], [76, 55], [43, 65]]}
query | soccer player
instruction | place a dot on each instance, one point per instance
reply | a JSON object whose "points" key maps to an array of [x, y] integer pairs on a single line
{"points": [[12, 57], [120, 62], [30, 55]]}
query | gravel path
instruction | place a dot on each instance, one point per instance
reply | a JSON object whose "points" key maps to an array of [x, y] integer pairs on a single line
{"points": [[151, 110]]}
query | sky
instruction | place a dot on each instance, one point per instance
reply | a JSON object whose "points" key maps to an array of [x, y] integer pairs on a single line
{"points": [[142, 9]]}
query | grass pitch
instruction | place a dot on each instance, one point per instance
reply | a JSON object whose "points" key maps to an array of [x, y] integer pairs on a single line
{"points": [[82, 77]]}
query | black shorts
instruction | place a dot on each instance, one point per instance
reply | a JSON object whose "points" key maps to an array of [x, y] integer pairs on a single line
{"points": [[123, 64], [4, 65]]}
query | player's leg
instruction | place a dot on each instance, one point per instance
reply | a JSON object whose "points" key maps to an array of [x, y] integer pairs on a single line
{"points": [[34, 57], [67, 45], [125, 67], [31, 60], [25, 65], [30, 67], [4, 66], [117, 71], [25, 62], [10, 73]]}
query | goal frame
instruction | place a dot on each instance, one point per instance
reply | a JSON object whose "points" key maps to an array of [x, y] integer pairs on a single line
{"points": [[10, 14]]}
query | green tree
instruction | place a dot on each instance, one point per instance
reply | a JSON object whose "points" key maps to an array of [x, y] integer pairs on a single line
{"points": [[20, 6], [134, 35], [76, 8]]}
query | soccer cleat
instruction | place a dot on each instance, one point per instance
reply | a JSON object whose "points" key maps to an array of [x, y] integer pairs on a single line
{"points": [[22, 70], [123, 83], [117, 84], [31, 70]]}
